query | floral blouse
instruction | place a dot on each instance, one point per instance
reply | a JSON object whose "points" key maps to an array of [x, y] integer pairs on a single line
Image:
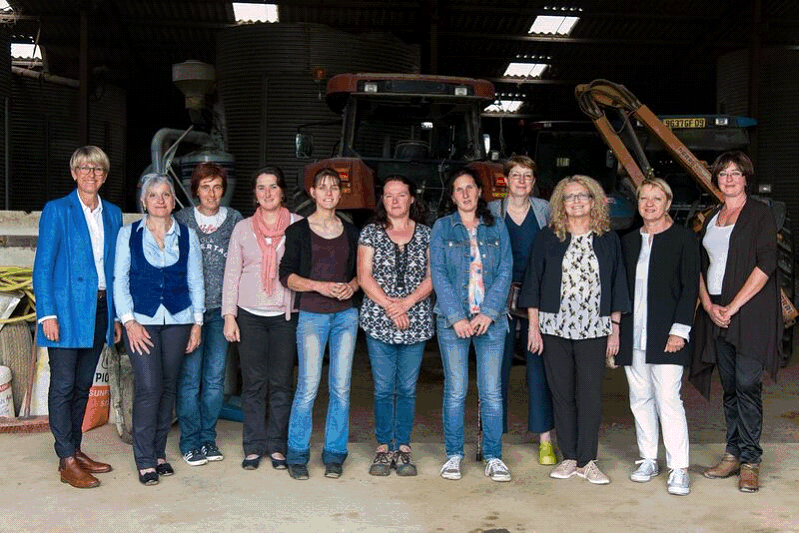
{"points": [[578, 316], [398, 270], [476, 289]]}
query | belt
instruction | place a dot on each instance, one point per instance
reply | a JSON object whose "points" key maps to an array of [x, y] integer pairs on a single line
{"points": [[101, 294]]}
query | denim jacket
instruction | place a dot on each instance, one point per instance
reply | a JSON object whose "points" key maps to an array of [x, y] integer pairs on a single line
{"points": [[450, 268]]}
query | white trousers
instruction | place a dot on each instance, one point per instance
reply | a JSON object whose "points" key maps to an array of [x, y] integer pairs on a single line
{"points": [[655, 393]]}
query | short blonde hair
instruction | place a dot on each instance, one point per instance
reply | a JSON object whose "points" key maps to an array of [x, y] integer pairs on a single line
{"points": [[600, 222], [92, 155], [655, 182]]}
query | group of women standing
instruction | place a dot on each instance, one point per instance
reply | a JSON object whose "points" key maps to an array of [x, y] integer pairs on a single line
{"points": [[187, 285]]}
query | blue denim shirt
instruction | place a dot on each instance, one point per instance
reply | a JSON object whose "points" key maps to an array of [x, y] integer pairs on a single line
{"points": [[450, 268]]}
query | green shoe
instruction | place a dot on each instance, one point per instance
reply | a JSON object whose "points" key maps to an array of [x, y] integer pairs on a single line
{"points": [[546, 454]]}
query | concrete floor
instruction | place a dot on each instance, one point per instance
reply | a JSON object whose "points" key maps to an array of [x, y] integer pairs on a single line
{"points": [[222, 497]]}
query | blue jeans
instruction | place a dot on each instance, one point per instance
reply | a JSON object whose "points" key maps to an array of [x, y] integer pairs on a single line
{"points": [[455, 359], [395, 369], [201, 385], [314, 331], [540, 403]]}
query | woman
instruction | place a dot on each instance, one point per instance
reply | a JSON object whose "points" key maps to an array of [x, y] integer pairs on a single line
{"points": [[72, 278], [260, 315], [396, 315], [320, 266], [524, 216], [662, 261], [158, 292], [741, 327], [575, 293], [202, 378], [471, 272]]}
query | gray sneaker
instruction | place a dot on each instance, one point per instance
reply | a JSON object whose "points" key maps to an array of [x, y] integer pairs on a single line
{"points": [[565, 469], [451, 470], [497, 470], [592, 473], [648, 468], [678, 482]]}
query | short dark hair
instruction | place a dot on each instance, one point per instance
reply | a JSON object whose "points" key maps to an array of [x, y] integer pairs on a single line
{"points": [[279, 180], [206, 170], [738, 158], [482, 210], [418, 211]]}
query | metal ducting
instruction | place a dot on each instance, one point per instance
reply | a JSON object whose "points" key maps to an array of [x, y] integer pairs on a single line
{"points": [[265, 83]]}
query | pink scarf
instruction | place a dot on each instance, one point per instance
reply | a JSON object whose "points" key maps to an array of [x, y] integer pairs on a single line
{"points": [[269, 255]]}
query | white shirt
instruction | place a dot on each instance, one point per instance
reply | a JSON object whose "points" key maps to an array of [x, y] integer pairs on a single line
{"points": [[94, 220], [209, 224], [640, 299], [716, 242]]}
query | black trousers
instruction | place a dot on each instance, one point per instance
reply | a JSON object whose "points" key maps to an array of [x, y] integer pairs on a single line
{"points": [[741, 401], [575, 370], [267, 354], [71, 376], [155, 383]]}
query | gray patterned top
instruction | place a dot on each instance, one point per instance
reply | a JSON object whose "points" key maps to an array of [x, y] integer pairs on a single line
{"points": [[398, 271], [578, 316]]}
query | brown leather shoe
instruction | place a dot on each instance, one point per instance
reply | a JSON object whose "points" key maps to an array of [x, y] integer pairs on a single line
{"points": [[89, 465], [726, 467], [72, 474], [748, 478]]}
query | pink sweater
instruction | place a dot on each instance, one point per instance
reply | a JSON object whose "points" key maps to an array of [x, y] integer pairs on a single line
{"points": [[242, 283]]}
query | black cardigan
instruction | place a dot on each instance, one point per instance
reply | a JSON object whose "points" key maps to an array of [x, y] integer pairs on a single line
{"points": [[297, 257], [671, 292], [757, 329], [542, 286]]}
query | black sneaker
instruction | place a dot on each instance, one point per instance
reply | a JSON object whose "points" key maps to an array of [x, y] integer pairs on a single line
{"points": [[195, 457], [211, 452], [298, 471], [333, 470]]}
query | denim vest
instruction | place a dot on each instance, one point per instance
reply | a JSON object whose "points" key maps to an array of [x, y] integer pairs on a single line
{"points": [[153, 286], [450, 268]]}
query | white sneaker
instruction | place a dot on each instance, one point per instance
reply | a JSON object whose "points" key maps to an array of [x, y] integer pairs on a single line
{"points": [[648, 468], [678, 482], [592, 473], [565, 469], [451, 470], [497, 470]]}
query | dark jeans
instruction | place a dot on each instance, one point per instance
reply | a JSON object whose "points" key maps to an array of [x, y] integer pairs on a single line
{"points": [[540, 403], [741, 401], [71, 376], [575, 369], [267, 354], [155, 380]]}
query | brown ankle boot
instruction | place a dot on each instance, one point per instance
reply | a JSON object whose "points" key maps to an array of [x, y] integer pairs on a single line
{"points": [[89, 465], [726, 467], [72, 474], [748, 478]]}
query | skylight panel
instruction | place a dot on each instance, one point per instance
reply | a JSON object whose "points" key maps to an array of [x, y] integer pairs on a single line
{"points": [[25, 51], [504, 106], [553, 25], [247, 12], [4, 5], [525, 70]]}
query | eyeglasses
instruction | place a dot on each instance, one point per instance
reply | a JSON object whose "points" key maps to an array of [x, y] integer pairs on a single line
{"points": [[732, 174], [526, 178], [84, 169], [580, 197]]}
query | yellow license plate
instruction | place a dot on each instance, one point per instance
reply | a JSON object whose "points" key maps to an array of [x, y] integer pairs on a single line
{"points": [[696, 122]]}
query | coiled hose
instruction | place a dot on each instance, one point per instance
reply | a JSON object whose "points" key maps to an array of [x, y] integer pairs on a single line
{"points": [[19, 279]]}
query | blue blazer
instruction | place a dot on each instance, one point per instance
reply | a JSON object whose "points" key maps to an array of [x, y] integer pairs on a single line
{"points": [[64, 274]]}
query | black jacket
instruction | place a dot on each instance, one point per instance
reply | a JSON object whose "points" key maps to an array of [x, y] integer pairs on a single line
{"points": [[297, 257], [672, 280], [542, 286]]}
